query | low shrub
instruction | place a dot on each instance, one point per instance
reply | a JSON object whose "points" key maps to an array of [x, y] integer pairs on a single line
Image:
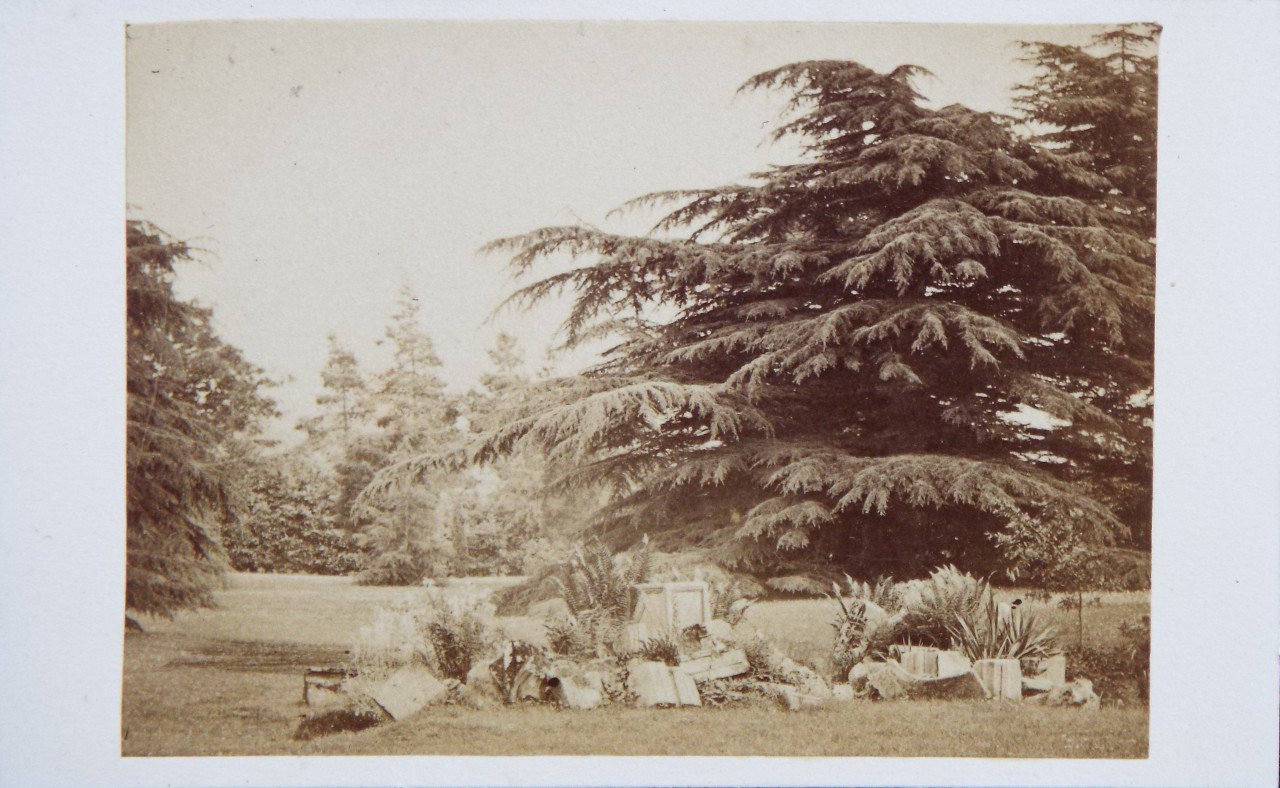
{"points": [[448, 633], [1120, 673], [660, 649], [332, 721], [566, 637]]}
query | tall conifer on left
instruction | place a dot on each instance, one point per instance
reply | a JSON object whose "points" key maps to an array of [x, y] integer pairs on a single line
{"points": [[193, 406]]}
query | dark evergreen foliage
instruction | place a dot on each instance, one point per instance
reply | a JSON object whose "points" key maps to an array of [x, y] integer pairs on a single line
{"points": [[191, 399], [855, 334], [290, 525]]}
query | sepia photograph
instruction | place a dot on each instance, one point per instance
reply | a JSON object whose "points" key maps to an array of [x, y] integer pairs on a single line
{"points": [[525, 388], [583, 394]]}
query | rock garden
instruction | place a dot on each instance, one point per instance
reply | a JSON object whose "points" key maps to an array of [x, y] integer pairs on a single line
{"points": [[614, 635]]}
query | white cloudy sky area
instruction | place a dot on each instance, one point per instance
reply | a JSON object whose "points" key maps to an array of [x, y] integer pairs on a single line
{"points": [[318, 166]]}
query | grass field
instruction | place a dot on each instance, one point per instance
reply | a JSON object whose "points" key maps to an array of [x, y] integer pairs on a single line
{"points": [[229, 682]]}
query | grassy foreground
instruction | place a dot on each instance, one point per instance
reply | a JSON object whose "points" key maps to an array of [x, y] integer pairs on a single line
{"points": [[229, 682]]}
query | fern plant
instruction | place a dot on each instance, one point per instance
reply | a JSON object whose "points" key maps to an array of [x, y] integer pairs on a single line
{"points": [[660, 649], [932, 605], [596, 588]]}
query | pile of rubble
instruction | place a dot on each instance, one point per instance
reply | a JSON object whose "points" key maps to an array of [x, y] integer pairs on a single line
{"points": [[706, 666]]}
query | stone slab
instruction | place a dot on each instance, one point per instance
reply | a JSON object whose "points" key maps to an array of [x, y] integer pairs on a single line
{"points": [[890, 681], [408, 690], [920, 660], [717, 666], [659, 684], [1002, 678], [953, 663]]}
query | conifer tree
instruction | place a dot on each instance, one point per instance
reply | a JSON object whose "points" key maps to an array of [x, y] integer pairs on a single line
{"points": [[1097, 104], [402, 525], [855, 335], [193, 404], [344, 385]]}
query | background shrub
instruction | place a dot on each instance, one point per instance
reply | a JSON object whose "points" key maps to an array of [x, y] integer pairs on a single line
{"points": [[1118, 672], [289, 525]]}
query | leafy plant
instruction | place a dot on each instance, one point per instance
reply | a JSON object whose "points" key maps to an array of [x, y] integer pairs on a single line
{"points": [[884, 592], [598, 582], [456, 630], [933, 605], [568, 638], [1119, 672], [761, 654], [660, 649], [858, 634], [729, 602], [993, 633]]}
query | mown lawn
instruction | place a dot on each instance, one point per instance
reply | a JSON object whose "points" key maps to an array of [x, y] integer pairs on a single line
{"points": [[229, 682]]}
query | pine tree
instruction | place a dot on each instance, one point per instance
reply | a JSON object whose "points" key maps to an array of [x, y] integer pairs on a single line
{"points": [[855, 335], [403, 525], [193, 403], [344, 386], [1097, 104], [1100, 105]]}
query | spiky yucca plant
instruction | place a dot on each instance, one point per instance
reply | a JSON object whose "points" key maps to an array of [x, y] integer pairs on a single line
{"points": [[991, 634]]}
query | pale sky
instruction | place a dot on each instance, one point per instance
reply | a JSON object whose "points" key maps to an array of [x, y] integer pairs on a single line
{"points": [[321, 165]]}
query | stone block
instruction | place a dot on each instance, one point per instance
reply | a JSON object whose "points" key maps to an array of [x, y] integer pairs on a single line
{"points": [[1078, 693], [716, 666], [633, 636], [806, 680], [719, 629], [670, 607], [920, 660], [890, 681], [953, 663], [325, 686], [408, 690], [575, 687], [1002, 678], [1053, 668], [659, 684]]}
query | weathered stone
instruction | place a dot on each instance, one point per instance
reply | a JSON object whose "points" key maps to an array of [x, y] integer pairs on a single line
{"points": [[842, 692], [716, 666], [529, 684], [920, 660], [719, 629], [671, 607], [480, 682], [325, 686], [659, 684], [1002, 678], [787, 697], [408, 690], [1078, 693], [807, 681], [890, 681], [632, 637], [462, 695], [873, 615], [1053, 668], [953, 663], [572, 686], [858, 679]]}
